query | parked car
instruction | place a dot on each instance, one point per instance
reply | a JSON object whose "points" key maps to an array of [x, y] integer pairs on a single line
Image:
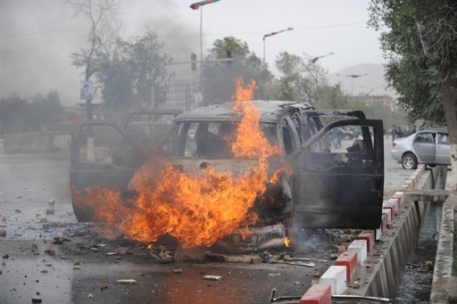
{"points": [[328, 188], [430, 147]]}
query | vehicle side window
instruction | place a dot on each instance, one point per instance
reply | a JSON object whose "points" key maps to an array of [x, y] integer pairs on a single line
{"points": [[332, 151], [289, 137], [443, 139], [424, 138], [297, 124]]}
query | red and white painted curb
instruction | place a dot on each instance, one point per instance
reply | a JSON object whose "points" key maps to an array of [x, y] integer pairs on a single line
{"points": [[334, 281]]}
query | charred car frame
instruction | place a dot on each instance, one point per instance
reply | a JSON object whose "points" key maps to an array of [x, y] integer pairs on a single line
{"points": [[329, 187]]}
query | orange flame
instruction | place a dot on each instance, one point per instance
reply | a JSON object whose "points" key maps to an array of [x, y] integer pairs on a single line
{"points": [[287, 242], [196, 208]]}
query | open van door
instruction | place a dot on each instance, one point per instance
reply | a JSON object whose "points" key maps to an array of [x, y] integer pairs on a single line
{"points": [[101, 156], [339, 183]]}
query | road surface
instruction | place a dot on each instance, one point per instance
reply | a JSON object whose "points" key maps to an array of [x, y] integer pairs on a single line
{"points": [[76, 269]]}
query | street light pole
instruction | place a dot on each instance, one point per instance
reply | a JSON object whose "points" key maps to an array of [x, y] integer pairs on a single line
{"points": [[201, 38], [315, 59], [272, 34], [352, 76]]}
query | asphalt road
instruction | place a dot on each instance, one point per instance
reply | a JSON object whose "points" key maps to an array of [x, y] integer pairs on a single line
{"points": [[29, 182]]}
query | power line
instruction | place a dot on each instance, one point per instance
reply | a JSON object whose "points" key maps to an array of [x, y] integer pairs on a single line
{"points": [[207, 35], [48, 32]]}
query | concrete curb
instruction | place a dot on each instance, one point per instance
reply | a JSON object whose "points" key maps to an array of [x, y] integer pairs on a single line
{"points": [[441, 283], [362, 245]]}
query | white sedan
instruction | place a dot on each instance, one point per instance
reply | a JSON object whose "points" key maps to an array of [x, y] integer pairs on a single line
{"points": [[430, 147]]}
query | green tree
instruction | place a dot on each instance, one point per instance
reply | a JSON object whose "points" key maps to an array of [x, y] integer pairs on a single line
{"points": [[19, 115], [131, 69], [301, 79], [104, 26], [218, 77], [419, 39]]}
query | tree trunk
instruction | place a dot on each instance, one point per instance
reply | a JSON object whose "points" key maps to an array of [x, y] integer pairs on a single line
{"points": [[449, 105]]}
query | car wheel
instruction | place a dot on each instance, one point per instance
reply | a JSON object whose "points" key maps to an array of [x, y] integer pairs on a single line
{"points": [[82, 214], [409, 161]]}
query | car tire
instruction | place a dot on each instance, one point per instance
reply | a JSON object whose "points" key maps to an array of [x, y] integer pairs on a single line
{"points": [[409, 161], [82, 214]]}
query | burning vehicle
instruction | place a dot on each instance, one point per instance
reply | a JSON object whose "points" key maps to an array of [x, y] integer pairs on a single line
{"points": [[234, 176]]}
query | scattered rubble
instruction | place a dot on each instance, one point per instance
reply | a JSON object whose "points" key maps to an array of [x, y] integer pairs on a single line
{"points": [[310, 264], [177, 271], [126, 281], [5, 256], [37, 300], [105, 285], [2, 232], [212, 277], [50, 252]]}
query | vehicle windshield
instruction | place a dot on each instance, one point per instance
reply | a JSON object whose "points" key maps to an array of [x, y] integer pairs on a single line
{"points": [[209, 139]]}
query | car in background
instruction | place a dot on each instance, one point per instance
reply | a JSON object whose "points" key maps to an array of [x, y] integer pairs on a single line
{"points": [[430, 147]]}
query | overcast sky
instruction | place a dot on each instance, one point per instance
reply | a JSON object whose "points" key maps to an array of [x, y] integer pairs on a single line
{"points": [[37, 37]]}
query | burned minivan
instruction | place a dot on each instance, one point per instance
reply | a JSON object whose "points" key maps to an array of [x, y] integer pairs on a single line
{"points": [[321, 180]]}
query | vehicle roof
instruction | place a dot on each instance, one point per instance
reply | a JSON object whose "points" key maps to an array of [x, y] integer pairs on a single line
{"points": [[271, 111], [443, 130]]}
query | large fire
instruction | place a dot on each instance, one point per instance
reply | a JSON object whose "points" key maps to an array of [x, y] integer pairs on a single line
{"points": [[196, 208]]}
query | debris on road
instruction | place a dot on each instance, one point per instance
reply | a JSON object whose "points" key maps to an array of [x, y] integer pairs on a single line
{"points": [[18, 210], [51, 202], [5, 256], [50, 252], [212, 277], [111, 253], [90, 296], [126, 281], [104, 286], [41, 219], [44, 271], [310, 264], [2, 232], [164, 256], [177, 271], [256, 260], [34, 248], [37, 300]]}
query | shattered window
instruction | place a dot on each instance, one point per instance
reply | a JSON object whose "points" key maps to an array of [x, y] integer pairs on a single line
{"points": [[209, 139], [443, 139], [341, 146]]}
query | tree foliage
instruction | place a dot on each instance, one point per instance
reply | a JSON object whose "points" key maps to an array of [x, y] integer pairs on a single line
{"points": [[218, 77], [19, 115], [129, 72], [419, 39], [104, 26], [301, 79]]}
